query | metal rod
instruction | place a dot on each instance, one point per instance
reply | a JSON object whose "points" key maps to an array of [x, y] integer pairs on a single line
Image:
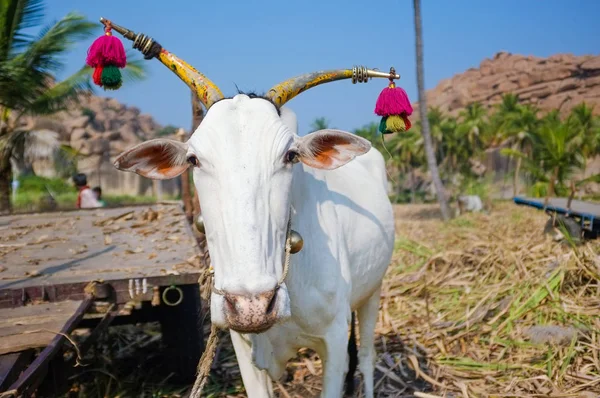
{"points": [[129, 34], [376, 73]]}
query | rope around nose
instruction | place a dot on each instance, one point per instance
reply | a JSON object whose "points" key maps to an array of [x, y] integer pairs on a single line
{"points": [[207, 278]]}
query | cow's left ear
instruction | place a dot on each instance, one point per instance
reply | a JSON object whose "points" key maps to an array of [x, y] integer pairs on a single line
{"points": [[158, 159], [329, 149]]}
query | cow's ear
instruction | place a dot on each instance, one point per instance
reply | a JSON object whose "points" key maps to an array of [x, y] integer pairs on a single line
{"points": [[159, 159], [329, 149]]}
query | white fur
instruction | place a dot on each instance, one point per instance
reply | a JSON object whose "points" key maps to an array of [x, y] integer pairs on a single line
{"points": [[343, 214]]}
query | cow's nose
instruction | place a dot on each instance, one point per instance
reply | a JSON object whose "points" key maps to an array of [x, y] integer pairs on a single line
{"points": [[251, 313]]}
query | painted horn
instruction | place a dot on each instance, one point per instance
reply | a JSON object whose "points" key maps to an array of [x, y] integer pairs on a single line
{"points": [[206, 90], [285, 91]]}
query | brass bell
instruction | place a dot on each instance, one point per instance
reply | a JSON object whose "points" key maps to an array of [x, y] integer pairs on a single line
{"points": [[296, 242], [200, 224]]}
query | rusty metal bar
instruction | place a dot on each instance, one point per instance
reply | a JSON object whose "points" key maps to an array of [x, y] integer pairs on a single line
{"points": [[31, 376]]}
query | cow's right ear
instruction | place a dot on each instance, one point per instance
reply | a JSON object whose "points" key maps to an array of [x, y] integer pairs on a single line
{"points": [[158, 159]]}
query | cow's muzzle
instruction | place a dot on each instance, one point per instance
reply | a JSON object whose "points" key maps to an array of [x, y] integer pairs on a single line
{"points": [[251, 313]]}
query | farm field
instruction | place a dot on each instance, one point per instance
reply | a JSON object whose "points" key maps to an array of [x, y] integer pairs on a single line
{"points": [[484, 306]]}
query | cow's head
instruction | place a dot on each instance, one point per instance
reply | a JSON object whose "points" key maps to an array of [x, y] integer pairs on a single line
{"points": [[242, 156]]}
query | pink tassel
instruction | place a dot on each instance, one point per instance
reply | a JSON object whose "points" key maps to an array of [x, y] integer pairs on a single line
{"points": [[106, 50], [393, 101]]}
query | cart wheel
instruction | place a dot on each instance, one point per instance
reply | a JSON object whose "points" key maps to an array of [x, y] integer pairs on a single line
{"points": [[558, 225]]}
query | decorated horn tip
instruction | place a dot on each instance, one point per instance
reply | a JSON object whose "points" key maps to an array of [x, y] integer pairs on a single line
{"points": [[126, 33]]}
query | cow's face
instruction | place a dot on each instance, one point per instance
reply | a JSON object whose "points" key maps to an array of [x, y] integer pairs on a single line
{"points": [[242, 157]]}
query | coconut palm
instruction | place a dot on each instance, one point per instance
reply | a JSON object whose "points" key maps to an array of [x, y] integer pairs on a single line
{"points": [[503, 114], [518, 129], [319, 123], [556, 155], [429, 151], [473, 125], [583, 121], [409, 156], [28, 66]]}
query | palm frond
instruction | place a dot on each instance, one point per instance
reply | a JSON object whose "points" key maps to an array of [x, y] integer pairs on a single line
{"points": [[43, 56], [29, 75], [57, 97], [16, 16], [135, 70]]}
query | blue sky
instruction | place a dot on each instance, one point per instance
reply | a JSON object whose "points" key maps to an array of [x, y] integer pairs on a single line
{"points": [[256, 44]]}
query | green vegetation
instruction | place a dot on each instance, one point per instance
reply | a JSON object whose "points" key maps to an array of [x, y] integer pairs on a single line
{"points": [[542, 148], [167, 130], [41, 194], [89, 113], [29, 64]]}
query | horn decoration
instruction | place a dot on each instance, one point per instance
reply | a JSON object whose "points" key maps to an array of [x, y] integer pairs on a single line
{"points": [[206, 90], [285, 91]]}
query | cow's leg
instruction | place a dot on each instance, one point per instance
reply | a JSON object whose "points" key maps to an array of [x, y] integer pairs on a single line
{"points": [[367, 318], [334, 355], [256, 382]]}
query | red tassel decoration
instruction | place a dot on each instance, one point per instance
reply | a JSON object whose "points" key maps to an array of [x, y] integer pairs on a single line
{"points": [[105, 51], [394, 107], [97, 76]]}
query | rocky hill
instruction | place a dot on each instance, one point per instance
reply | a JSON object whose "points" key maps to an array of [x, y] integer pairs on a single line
{"points": [[99, 129], [558, 82]]}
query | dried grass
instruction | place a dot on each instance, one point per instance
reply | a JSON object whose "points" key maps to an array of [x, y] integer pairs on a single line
{"points": [[483, 306]]}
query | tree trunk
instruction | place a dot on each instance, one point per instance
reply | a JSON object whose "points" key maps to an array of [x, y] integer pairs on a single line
{"points": [[5, 186], [431, 161], [186, 195], [553, 179], [197, 116], [413, 188], [516, 177]]}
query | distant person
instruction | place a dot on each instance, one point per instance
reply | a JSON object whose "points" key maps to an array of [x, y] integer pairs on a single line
{"points": [[86, 199], [98, 193]]}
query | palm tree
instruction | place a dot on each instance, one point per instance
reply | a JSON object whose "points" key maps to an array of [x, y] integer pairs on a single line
{"points": [[505, 112], [28, 65], [409, 156], [518, 128], [429, 152], [473, 125], [587, 126], [555, 157], [320, 123]]}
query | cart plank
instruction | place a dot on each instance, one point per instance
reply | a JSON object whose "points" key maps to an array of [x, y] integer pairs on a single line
{"points": [[46, 249], [33, 326]]}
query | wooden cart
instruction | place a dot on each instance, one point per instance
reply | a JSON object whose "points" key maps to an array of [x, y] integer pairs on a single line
{"points": [[64, 270], [581, 219]]}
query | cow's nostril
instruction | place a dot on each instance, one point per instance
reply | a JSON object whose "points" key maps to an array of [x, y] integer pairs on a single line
{"points": [[271, 305]]}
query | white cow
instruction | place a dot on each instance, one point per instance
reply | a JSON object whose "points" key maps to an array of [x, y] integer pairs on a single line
{"points": [[254, 175]]}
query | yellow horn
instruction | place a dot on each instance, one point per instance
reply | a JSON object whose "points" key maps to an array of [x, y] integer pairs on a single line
{"points": [[285, 91], [206, 90]]}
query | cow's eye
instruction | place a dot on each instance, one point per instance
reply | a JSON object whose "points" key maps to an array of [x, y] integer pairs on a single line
{"points": [[292, 156], [193, 160]]}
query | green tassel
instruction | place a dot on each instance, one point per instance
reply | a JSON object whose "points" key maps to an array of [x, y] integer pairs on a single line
{"points": [[394, 124], [382, 125], [111, 77]]}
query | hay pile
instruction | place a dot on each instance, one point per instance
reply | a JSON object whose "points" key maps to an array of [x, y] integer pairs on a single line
{"points": [[497, 308]]}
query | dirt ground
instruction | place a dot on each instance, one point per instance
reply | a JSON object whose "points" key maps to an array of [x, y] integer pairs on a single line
{"points": [[483, 306]]}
